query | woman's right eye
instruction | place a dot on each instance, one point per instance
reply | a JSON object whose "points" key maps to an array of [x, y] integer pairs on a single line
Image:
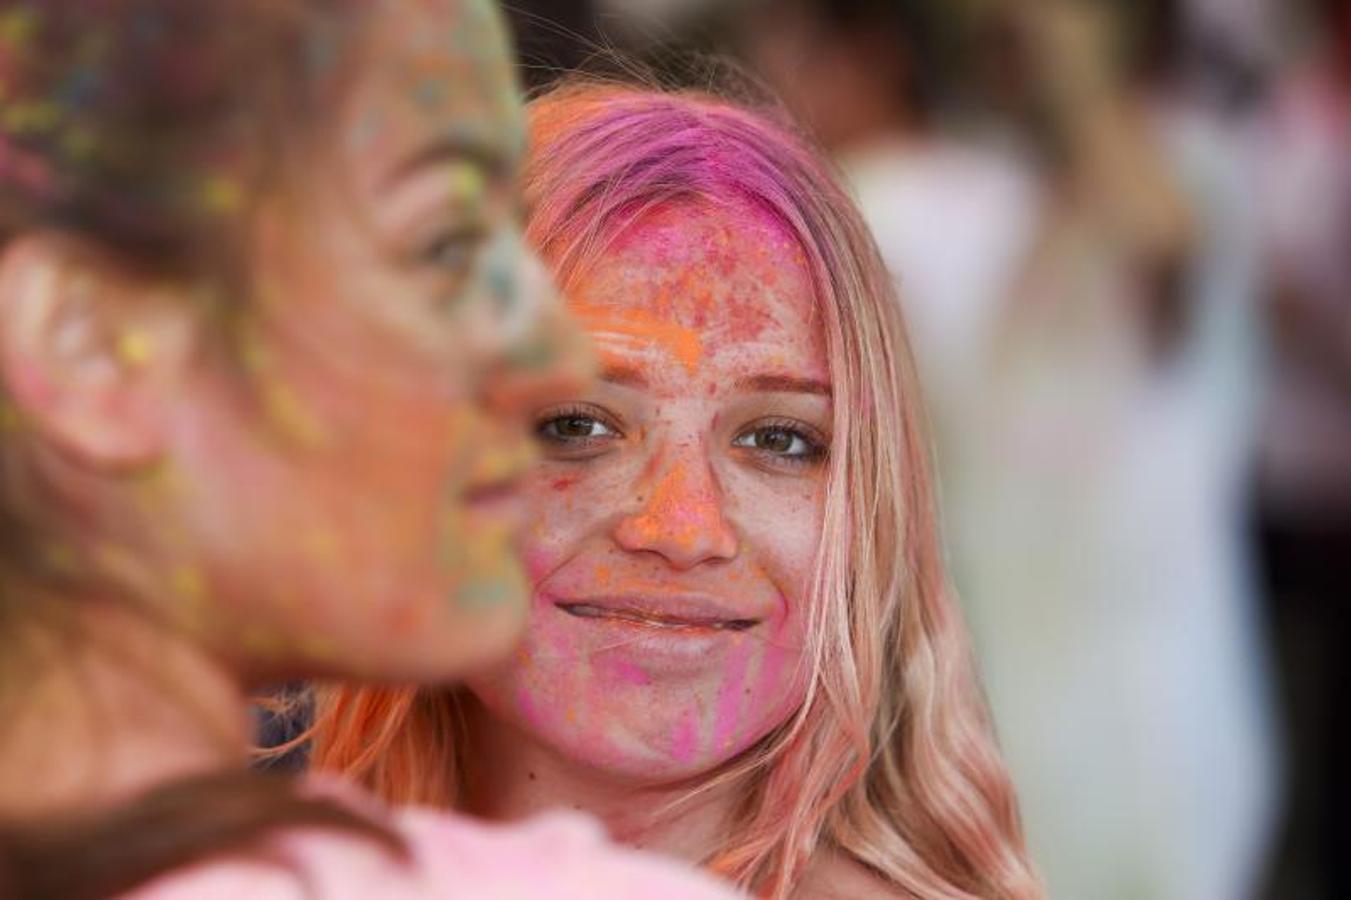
{"points": [[454, 252], [574, 429]]}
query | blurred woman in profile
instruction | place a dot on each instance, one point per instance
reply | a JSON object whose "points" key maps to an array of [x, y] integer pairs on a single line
{"points": [[269, 341], [742, 647]]}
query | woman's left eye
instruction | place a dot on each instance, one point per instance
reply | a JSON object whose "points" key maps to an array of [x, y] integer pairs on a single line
{"points": [[781, 441]]}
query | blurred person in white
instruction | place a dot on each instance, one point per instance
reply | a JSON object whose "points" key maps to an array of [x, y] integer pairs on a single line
{"points": [[1083, 298], [1306, 446]]}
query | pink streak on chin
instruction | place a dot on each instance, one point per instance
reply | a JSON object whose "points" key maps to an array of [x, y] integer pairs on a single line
{"points": [[731, 695], [685, 740]]}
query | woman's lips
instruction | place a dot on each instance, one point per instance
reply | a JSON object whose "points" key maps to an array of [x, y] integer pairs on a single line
{"points": [[667, 613]]}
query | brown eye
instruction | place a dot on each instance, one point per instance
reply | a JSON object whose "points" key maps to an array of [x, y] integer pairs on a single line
{"points": [[574, 428], [782, 442], [776, 440]]}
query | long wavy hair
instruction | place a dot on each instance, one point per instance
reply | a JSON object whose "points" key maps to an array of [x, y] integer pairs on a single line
{"points": [[890, 758]]}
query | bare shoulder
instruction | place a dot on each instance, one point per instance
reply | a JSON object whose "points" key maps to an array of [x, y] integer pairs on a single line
{"points": [[832, 875]]}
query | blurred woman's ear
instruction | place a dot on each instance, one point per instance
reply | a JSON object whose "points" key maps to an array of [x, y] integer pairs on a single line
{"points": [[89, 351]]}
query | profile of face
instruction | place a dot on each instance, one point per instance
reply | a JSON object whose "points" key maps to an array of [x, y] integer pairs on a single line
{"points": [[678, 509], [338, 490]]}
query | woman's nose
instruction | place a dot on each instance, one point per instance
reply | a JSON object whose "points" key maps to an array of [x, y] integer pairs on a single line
{"points": [[680, 517]]}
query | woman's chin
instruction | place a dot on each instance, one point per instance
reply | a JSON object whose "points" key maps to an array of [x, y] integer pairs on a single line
{"points": [[650, 756]]}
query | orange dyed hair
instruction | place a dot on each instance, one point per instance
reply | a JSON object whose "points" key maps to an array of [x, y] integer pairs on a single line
{"points": [[890, 759]]}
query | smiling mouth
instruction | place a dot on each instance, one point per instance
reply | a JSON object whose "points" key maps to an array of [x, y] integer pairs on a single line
{"points": [[654, 620]]}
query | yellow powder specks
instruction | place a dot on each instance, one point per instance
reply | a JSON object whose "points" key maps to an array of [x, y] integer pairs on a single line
{"points": [[10, 419], [253, 353], [289, 416], [28, 118], [120, 564], [134, 347], [78, 143], [17, 26], [219, 194], [467, 182], [60, 558], [261, 641], [188, 585], [317, 647]]}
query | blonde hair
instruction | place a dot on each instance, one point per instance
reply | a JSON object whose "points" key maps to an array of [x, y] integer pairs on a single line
{"points": [[890, 759]]}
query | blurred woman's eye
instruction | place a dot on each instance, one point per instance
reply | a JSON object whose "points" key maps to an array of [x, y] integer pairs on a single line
{"points": [[783, 442], [453, 252], [576, 428]]}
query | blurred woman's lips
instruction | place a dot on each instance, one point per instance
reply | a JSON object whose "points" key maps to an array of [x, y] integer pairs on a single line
{"points": [[496, 478], [496, 501], [492, 492]]}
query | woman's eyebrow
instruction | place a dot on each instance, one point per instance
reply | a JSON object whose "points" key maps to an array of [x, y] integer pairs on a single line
{"points": [[488, 155], [783, 384]]}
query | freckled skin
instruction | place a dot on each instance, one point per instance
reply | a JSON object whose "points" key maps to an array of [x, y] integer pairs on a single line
{"points": [[321, 509], [672, 505]]}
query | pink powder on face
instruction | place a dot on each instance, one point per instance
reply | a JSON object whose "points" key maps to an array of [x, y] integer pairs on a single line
{"points": [[685, 738], [526, 705], [731, 696], [625, 672], [537, 564]]}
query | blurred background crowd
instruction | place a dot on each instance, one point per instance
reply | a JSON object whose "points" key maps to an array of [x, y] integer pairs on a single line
{"points": [[1121, 231]]}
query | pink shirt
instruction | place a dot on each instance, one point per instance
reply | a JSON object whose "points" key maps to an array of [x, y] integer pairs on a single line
{"points": [[560, 856]]}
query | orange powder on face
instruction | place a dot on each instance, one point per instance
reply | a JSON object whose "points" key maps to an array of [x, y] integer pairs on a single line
{"points": [[638, 329], [674, 512]]}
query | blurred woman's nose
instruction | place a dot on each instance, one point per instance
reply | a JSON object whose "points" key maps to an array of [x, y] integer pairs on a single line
{"points": [[679, 515], [538, 353]]}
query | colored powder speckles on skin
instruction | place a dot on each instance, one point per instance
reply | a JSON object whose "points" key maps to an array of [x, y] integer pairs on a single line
{"points": [[636, 328], [683, 512], [670, 508]]}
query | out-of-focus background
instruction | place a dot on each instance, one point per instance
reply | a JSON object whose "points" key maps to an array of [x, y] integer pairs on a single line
{"points": [[1122, 235]]}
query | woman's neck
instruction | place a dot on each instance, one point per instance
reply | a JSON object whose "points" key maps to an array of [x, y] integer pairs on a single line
{"points": [[512, 776], [108, 705]]}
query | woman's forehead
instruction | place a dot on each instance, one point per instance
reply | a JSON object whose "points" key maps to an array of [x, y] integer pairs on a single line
{"points": [[697, 264], [704, 290], [432, 72]]}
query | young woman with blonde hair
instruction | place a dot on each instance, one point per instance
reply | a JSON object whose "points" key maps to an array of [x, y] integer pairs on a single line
{"points": [[743, 649]]}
